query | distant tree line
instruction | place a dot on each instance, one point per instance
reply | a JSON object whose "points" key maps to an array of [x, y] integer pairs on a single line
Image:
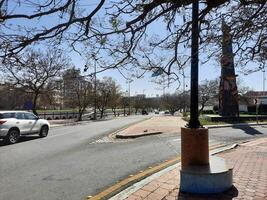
{"points": [[46, 80]]}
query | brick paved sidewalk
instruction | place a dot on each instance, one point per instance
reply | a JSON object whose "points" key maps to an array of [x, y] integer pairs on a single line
{"points": [[250, 178], [155, 125]]}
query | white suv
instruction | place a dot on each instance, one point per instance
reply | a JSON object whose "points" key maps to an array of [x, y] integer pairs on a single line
{"points": [[14, 124]]}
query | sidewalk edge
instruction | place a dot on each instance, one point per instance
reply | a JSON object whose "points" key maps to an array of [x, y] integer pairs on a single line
{"points": [[133, 188], [231, 125], [134, 182]]}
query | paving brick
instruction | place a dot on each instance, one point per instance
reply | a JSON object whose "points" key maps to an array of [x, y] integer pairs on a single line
{"points": [[161, 191], [154, 196], [149, 187], [168, 186], [141, 193], [250, 178], [133, 197]]}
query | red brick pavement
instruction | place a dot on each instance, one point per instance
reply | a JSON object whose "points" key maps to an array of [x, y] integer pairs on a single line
{"points": [[250, 178], [159, 124]]}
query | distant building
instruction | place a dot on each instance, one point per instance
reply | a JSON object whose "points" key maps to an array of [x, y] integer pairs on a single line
{"points": [[260, 96], [140, 96]]}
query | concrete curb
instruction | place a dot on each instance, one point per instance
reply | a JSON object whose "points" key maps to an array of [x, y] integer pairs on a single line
{"points": [[136, 181], [121, 136], [127, 126], [81, 122], [131, 180], [69, 124], [231, 125], [133, 188]]}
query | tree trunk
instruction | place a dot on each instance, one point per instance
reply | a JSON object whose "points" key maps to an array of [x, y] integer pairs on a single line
{"points": [[114, 111], [80, 115], [35, 103], [102, 113], [201, 109]]}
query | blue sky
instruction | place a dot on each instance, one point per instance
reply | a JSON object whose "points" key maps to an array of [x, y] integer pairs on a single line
{"points": [[210, 70], [254, 80]]}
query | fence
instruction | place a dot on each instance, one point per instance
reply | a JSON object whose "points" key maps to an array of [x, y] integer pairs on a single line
{"points": [[58, 115]]}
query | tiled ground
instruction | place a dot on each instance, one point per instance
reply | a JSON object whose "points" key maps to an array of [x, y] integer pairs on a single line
{"points": [[164, 124], [250, 178]]}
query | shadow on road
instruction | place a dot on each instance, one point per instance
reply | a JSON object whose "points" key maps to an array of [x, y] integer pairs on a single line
{"points": [[228, 195], [247, 129], [22, 139]]}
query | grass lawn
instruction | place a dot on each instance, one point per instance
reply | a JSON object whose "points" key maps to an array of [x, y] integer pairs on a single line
{"points": [[51, 111], [241, 115], [203, 121], [74, 110]]}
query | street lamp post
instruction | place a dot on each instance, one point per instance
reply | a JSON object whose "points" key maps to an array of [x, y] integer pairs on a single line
{"points": [[129, 87], [263, 79], [184, 95], [95, 61], [195, 174], [194, 122], [95, 117], [85, 69]]}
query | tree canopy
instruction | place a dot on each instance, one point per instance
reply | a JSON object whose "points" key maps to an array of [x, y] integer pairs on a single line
{"points": [[136, 34], [35, 71]]}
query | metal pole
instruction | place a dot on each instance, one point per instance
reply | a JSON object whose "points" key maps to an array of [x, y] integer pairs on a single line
{"points": [[257, 110], [263, 79], [129, 84], [194, 122], [164, 85], [95, 117], [184, 95]]}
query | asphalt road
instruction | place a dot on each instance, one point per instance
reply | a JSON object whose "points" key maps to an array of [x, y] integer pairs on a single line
{"points": [[76, 161]]}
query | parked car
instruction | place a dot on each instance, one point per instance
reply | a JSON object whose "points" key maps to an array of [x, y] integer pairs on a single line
{"points": [[156, 112], [144, 112], [166, 112], [14, 124]]}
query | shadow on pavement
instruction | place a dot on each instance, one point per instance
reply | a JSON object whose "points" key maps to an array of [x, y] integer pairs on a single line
{"points": [[22, 139], [248, 129], [228, 195]]}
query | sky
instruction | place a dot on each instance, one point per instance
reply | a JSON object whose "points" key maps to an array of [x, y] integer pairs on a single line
{"points": [[146, 86], [209, 71]]}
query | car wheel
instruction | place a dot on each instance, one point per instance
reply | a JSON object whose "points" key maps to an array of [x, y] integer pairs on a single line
{"points": [[12, 136], [43, 131]]}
